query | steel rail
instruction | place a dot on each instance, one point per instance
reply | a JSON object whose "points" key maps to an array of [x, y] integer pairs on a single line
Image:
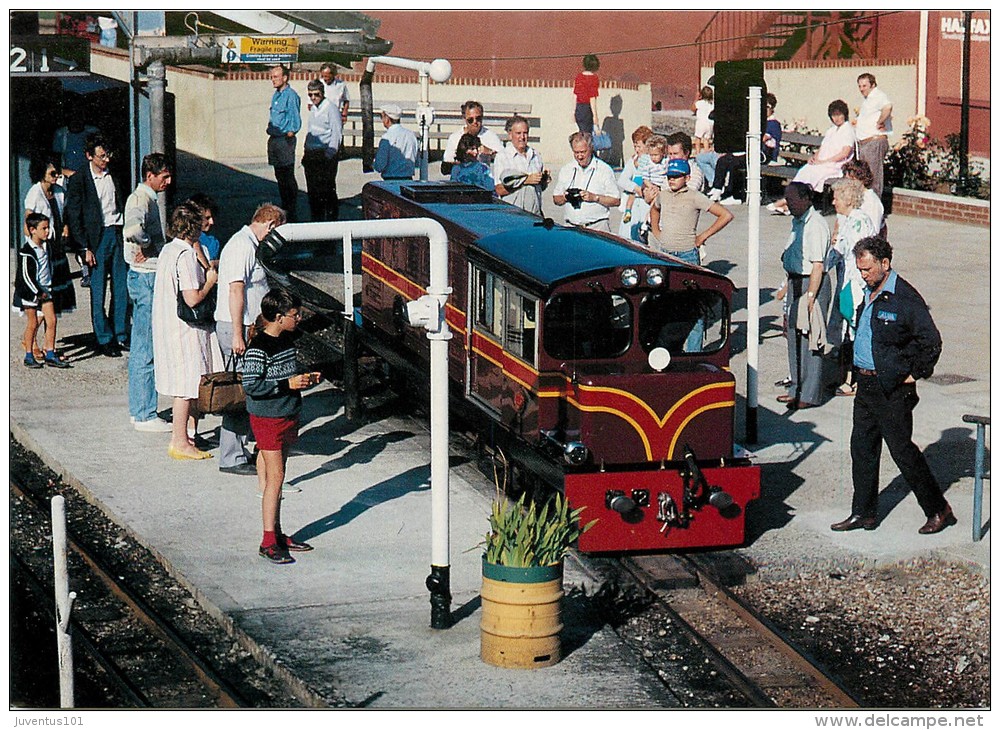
{"points": [[223, 694]]}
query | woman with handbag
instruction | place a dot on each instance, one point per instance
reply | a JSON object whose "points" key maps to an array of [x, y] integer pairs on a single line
{"points": [[183, 303]]}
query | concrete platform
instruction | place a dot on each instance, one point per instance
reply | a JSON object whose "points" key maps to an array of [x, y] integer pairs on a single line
{"points": [[351, 619]]}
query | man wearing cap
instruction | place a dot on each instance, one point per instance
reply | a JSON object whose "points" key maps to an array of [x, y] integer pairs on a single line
{"points": [[674, 214], [396, 157], [588, 185]]}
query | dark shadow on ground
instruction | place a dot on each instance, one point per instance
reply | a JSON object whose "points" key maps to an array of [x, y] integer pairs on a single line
{"points": [[239, 193], [412, 480], [952, 458], [778, 481], [359, 453]]}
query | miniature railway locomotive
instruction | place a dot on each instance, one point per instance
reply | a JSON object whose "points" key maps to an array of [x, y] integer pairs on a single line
{"points": [[588, 360]]}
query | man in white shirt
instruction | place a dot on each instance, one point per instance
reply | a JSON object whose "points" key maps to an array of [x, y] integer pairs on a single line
{"points": [[335, 89], [874, 125], [94, 216], [588, 185], [396, 156], [518, 170], [144, 239], [242, 286], [489, 142]]}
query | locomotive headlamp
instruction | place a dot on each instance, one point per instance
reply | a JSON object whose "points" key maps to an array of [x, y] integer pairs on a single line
{"points": [[630, 277], [654, 277], [575, 453]]}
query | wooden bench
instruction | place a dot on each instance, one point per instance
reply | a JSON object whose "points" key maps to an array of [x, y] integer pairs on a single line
{"points": [[795, 151], [448, 117]]}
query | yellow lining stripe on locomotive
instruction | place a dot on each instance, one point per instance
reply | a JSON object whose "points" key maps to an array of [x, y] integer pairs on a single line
{"points": [[698, 412], [639, 401], [371, 272]]}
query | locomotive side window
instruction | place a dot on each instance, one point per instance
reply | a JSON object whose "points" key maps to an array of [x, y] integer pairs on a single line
{"points": [[519, 330], [684, 322], [593, 325], [489, 303]]}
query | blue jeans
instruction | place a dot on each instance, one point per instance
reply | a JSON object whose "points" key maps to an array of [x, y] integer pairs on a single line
{"points": [[706, 163], [109, 264], [141, 382]]}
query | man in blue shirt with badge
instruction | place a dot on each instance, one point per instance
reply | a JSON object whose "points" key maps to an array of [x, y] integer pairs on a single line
{"points": [[896, 344], [282, 125]]}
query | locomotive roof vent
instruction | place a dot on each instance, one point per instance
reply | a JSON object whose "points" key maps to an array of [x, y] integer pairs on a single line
{"points": [[445, 192]]}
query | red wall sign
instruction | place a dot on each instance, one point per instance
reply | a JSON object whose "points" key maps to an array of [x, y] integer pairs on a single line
{"points": [[951, 37]]}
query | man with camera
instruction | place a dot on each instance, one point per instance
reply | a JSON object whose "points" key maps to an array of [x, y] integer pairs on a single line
{"points": [[518, 169], [588, 185]]}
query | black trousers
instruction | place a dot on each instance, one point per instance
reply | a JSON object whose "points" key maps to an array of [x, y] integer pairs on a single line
{"points": [[321, 184], [288, 190], [879, 417], [725, 173]]}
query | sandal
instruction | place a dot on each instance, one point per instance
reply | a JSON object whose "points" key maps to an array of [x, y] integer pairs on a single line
{"points": [[56, 361], [845, 390]]}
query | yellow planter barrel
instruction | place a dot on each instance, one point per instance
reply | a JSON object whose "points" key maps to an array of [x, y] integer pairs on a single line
{"points": [[521, 616]]}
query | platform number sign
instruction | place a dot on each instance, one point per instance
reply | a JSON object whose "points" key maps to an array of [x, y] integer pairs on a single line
{"points": [[49, 55]]}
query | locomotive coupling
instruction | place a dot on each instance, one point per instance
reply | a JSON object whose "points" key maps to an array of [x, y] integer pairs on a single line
{"points": [[697, 490]]}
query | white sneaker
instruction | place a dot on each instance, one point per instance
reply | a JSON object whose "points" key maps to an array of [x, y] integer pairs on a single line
{"points": [[715, 194], [286, 488], [770, 207], [153, 425], [730, 202]]}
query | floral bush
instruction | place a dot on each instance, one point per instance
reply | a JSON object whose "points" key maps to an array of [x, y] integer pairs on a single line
{"points": [[918, 162]]}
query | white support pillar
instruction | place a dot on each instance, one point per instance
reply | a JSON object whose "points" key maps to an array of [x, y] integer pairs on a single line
{"points": [[64, 602]]}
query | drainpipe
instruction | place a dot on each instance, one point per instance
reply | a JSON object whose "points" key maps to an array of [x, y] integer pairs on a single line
{"points": [[440, 71], [428, 312], [156, 84], [753, 262]]}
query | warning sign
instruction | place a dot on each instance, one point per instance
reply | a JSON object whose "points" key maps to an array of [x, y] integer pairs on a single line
{"points": [[256, 49]]}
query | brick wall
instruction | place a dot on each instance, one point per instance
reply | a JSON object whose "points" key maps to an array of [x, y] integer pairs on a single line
{"points": [[941, 207]]}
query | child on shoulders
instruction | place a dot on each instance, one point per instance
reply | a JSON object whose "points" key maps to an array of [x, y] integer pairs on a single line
{"points": [[651, 168]]}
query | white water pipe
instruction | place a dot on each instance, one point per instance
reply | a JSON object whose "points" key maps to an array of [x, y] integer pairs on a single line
{"points": [[437, 332], [64, 602], [439, 70], [753, 261]]}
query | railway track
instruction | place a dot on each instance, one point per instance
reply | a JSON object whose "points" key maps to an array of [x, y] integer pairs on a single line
{"points": [[753, 654], [142, 655]]}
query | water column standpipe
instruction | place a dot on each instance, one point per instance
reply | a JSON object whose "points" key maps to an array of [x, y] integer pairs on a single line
{"points": [[428, 312], [753, 262], [440, 71]]}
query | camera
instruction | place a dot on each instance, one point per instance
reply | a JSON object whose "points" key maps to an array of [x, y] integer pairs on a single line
{"points": [[574, 196]]}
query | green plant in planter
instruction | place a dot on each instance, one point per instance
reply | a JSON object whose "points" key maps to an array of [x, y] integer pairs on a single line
{"points": [[523, 537]]}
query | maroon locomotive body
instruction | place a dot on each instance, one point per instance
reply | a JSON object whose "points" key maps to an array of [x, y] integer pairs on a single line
{"points": [[591, 360]]}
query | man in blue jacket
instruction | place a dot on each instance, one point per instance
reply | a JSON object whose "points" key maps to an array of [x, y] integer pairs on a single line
{"points": [[896, 344]]}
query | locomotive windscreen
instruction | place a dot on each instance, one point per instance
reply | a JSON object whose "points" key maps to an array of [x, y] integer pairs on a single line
{"points": [[684, 322], [594, 325]]}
